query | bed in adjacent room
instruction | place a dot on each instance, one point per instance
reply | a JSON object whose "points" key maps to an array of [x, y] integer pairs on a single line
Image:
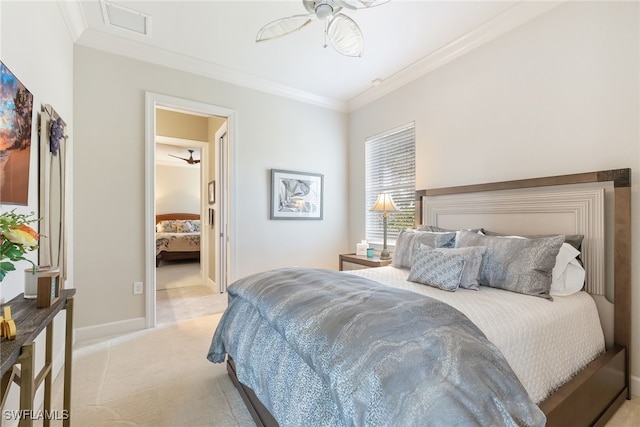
{"points": [[177, 237], [497, 327]]}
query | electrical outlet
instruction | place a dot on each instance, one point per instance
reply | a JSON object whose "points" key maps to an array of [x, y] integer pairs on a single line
{"points": [[137, 288]]}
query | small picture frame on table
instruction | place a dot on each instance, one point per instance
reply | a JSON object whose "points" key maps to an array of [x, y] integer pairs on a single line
{"points": [[48, 289]]}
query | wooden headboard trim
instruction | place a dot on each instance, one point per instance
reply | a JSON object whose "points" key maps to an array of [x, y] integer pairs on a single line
{"points": [[169, 216], [621, 179]]}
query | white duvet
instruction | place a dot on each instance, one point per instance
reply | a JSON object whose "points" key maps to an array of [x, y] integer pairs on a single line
{"points": [[545, 342]]}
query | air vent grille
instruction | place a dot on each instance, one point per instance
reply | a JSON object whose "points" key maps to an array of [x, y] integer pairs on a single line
{"points": [[125, 18]]}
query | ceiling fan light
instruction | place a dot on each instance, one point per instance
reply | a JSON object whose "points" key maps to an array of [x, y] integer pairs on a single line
{"points": [[324, 10]]}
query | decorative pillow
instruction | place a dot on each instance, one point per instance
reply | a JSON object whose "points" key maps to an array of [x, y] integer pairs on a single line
{"points": [[517, 265], [403, 253], [472, 263], [437, 269], [167, 226], [568, 275], [435, 228], [188, 225], [440, 229], [574, 240]]}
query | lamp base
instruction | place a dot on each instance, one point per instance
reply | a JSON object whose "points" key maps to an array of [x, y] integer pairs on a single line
{"points": [[385, 254]]}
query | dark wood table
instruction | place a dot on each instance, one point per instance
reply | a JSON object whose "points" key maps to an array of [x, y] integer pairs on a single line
{"points": [[30, 322]]}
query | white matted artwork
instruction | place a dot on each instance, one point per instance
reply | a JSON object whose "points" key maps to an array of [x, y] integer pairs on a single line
{"points": [[296, 195]]}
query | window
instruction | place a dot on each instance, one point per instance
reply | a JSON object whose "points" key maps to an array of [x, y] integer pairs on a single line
{"points": [[390, 167]]}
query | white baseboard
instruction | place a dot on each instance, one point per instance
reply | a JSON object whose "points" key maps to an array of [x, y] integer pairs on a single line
{"points": [[109, 329], [211, 284]]}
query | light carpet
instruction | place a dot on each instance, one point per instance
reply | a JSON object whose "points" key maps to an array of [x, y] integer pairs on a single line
{"points": [[173, 305], [156, 377], [177, 274]]}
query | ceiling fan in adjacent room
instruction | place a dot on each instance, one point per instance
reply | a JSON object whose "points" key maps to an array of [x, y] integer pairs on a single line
{"points": [[341, 31], [190, 160]]}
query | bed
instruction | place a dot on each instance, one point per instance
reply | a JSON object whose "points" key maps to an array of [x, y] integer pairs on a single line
{"points": [[595, 205], [177, 237]]}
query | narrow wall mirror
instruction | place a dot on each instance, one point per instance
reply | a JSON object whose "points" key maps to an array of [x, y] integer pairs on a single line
{"points": [[53, 140]]}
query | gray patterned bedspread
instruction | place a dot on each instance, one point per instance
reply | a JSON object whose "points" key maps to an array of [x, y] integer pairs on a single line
{"points": [[325, 348]]}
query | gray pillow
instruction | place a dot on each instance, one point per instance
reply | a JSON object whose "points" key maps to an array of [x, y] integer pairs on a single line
{"points": [[517, 265], [437, 269], [472, 263], [574, 240], [403, 253], [436, 228]]}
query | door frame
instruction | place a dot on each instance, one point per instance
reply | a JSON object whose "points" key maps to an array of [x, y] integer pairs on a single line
{"points": [[153, 101]]}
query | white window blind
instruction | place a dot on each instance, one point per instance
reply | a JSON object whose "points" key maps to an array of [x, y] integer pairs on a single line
{"points": [[390, 167]]}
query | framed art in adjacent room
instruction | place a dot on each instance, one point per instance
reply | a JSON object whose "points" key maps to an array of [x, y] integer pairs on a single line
{"points": [[296, 195], [212, 192]]}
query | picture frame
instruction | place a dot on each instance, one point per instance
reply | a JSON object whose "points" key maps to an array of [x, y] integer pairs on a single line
{"points": [[296, 195], [48, 289], [212, 218], [16, 114], [212, 192]]}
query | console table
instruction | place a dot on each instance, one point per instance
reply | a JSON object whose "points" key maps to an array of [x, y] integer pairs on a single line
{"points": [[30, 321]]}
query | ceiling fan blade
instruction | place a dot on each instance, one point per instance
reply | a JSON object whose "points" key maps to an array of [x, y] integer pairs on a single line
{"points": [[345, 35], [360, 4], [282, 27], [181, 158]]}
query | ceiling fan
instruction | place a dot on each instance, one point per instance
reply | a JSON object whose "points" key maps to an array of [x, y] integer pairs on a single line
{"points": [[342, 32], [190, 160]]}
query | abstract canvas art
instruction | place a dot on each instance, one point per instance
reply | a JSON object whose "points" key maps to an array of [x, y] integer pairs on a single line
{"points": [[296, 195], [16, 112]]}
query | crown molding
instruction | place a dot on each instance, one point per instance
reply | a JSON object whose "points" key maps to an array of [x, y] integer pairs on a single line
{"points": [[513, 17], [73, 16]]}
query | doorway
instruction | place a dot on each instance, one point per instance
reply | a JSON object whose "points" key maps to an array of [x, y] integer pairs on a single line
{"points": [[215, 174]]}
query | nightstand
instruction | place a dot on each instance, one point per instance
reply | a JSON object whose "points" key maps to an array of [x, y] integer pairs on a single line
{"points": [[362, 261]]}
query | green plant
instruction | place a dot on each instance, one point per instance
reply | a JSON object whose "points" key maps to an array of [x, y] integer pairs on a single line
{"points": [[16, 239]]}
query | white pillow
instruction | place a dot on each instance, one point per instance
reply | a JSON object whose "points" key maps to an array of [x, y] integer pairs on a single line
{"points": [[567, 276]]}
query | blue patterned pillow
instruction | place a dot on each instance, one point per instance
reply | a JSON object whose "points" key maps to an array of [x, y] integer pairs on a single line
{"points": [[437, 269], [472, 263], [409, 239]]}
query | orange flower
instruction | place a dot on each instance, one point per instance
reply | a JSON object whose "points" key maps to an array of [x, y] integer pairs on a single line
{"points": [[23, 235]]}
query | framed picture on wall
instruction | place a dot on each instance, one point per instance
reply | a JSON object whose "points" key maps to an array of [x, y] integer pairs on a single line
{"points": [[296, 195], [212, 192], [16, 112]]}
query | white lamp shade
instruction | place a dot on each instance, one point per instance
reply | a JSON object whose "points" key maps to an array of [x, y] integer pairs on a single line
{"points": [[384, 203]]}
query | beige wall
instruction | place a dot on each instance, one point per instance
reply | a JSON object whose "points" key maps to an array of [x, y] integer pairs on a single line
{"points": [[271, 132], [559, 95], [181, 125], [177, 189]]}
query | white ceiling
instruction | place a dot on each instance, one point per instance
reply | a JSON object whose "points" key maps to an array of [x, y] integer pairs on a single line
{"points": [[403, 40]]}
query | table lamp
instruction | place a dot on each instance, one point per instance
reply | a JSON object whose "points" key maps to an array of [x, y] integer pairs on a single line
{"points": [[384, 204]]}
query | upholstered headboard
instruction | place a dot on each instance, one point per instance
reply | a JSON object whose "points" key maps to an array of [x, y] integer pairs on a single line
{"points": [[595, 204]]}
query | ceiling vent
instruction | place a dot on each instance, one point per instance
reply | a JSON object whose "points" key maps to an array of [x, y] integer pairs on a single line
{"points": [[126, 18]]}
